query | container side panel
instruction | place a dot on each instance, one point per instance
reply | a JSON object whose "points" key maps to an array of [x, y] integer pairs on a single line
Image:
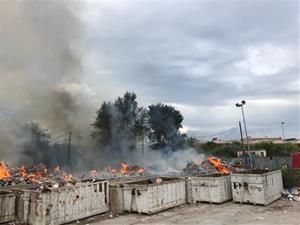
{"points": [[7, 207], [257, 188]]}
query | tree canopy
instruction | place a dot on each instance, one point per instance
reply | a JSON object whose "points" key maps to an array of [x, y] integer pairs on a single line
{"points": [[165, 122], [121, 124]]}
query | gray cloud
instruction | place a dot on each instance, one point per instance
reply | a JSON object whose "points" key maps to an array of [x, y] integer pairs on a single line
{"points": [[190, 53]]}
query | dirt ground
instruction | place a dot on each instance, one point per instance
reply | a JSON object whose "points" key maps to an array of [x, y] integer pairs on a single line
{"points": [[278, 213]]}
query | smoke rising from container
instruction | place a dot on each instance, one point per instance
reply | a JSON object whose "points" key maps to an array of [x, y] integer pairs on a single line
{"points": [[168, 162]]}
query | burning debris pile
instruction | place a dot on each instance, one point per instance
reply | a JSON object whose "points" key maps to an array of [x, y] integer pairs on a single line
{"points": [[40, 174], [127, 169], [35, 174], [209, 166]]}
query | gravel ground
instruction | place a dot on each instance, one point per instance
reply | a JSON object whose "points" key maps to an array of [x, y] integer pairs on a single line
{"points": [[278, 213]]}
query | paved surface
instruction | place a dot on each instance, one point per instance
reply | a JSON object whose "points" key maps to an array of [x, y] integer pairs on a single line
{"points": [[279, 213]]}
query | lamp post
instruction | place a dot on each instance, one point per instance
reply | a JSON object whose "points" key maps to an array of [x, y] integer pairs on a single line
{"points": [[283, 136], [282, 128], [243, 102]]}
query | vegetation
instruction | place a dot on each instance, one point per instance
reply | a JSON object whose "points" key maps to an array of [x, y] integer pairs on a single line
{"points": [[119, 125], [291, 178], [231, 149], [277, 149], [164, 122]]}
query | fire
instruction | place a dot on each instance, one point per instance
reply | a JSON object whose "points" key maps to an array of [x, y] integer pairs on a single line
{"points": [[215, 162], [126, 169], [57, 169], [4, 172], [36, 177], [68, 177], [112, 170], [141, 170], [33, 174], [23, 171]]}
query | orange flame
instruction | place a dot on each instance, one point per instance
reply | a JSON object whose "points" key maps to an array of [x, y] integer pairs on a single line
{"points": [[215, 162], [112, 170], [4, 172], [34, 174], [23, 171], [68, 177], [141, 170], [126, 169], [57, 169]]}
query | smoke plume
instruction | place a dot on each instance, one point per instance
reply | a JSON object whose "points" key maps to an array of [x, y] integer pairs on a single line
{"points": [[167, 161], [40, 68]]}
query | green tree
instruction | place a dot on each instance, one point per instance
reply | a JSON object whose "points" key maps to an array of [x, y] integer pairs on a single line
{"points": [[119, 124], [103, 124], [164, 122], [126, 107], [142, 122]]}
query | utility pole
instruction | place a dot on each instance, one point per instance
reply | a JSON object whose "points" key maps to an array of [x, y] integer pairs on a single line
{"points": [[243, 102], [247, 140], [241, 132], [143, 150], [69, 148], [283, 136]]}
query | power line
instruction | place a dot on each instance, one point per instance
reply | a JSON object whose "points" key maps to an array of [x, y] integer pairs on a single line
{"points": [[220, 133]]}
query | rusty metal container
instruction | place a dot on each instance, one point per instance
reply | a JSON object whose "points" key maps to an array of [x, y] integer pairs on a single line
{"points": [[154, 195], [63, 204], [257, 186], [215, 188], [7, 206]]}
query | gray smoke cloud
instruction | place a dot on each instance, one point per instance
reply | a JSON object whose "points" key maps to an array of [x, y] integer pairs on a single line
{"points": [[41, 69], [159, 163]]}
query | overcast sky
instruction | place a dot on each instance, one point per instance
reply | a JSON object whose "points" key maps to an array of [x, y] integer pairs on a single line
{"points": [[199, 56], [202, 57]]}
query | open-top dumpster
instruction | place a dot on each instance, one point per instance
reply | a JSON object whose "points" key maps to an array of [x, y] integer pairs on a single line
{"points": [[256, 186]]}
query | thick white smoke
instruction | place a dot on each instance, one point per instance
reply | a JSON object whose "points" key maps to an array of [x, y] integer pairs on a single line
{"points": [[167, 162]]}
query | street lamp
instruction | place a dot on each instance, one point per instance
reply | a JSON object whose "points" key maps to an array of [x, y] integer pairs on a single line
{"points": [[283, 136], [282, 127], [243, 102]]}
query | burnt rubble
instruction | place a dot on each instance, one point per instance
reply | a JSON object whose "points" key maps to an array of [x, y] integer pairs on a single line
{"points": [[35, 174], [212, 165]]}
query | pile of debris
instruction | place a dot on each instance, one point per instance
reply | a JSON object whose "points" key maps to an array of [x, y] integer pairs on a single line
{"points": [[34, 174], [291, 195], [211, 165], [43, 177], [195, 168], [126, 169]]}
